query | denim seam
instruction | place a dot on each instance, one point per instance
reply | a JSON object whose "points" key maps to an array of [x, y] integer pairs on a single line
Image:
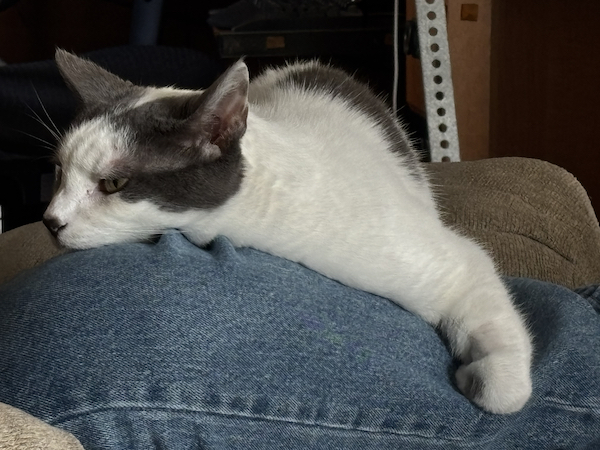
{"points": [[571, 407], [75, 414]]}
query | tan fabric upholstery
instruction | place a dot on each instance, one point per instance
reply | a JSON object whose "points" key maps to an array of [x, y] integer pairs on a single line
{"points": [[20, 431], [25, 247], [534, 217]]}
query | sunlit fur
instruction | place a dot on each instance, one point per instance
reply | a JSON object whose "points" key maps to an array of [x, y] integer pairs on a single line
{"points": [[321, 186]]}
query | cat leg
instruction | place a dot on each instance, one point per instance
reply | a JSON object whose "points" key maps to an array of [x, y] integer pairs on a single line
{"points": [[452, 283], [487, 334]]}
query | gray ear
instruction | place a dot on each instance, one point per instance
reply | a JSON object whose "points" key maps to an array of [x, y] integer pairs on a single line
{"points": [[221, 116], [92, 84]]}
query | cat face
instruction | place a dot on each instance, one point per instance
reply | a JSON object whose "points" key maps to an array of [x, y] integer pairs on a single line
{"points": [[139, 160]]}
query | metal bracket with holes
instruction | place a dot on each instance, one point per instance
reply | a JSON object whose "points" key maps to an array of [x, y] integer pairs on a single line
{"points": [[437, 80]]}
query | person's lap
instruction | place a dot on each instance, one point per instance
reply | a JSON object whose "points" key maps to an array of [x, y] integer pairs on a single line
{"points": [[166, 345]]}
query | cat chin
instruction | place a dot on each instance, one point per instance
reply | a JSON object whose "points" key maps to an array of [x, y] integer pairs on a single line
{"points": [[71, 244], [86, 242]]}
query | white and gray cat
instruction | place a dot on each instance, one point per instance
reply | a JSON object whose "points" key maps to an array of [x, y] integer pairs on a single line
{"points": [[303, 163]]}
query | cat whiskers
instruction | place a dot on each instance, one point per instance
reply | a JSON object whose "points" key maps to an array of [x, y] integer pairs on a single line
{"points": [[132, 232], [55, 133], [48, 145], [137, 232], [54, 130]]}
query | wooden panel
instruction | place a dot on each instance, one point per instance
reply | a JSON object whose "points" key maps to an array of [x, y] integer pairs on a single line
{"points": [[544, 99], [469, 38]]}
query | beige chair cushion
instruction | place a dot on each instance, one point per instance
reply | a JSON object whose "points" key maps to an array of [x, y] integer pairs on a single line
{"points": [[533, 217], [20, 431]]}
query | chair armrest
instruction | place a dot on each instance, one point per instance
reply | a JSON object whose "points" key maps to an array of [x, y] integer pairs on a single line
{"points": [[533, 217]]}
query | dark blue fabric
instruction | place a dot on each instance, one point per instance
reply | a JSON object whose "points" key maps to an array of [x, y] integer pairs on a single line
{"points": [[169, 346]]}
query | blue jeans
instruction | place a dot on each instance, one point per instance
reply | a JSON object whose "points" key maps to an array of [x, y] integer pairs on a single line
{"points": [[169, 346]]}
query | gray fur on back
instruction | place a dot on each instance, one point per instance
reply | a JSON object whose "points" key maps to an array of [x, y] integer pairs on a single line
{"points": [[337, 83]]}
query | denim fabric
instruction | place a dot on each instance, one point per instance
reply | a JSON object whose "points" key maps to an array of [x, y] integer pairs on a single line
{"points": [[169, 346], [592, 295]]}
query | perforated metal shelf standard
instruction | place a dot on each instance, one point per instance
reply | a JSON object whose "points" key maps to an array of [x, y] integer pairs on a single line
{"points": [[437, 80]]}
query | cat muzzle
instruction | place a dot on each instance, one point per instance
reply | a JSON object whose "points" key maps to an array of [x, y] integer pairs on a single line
{"points": [[53, 225]]}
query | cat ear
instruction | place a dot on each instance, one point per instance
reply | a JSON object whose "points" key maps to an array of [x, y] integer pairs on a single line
{"points": [[221, 118], [92, 84]]}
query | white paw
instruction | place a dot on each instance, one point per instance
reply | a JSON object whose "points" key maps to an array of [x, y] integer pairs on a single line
{"points": [[495, 383]]}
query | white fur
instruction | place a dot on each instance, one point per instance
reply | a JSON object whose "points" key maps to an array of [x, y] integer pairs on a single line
{"points": [[321, 187]]}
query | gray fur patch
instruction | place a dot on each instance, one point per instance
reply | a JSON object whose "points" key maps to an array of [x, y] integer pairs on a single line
{"points": [[197, 185], [337, 83], [91, 84], [163, 169]]}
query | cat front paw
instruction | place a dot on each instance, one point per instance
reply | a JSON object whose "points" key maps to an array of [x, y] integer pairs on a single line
{"points": [[495, 384]]}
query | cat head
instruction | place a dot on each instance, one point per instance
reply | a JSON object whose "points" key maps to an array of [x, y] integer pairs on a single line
{"points": [[138, 160]]}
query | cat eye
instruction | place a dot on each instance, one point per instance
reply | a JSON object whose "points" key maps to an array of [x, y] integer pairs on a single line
{"points": [[112, 185]]}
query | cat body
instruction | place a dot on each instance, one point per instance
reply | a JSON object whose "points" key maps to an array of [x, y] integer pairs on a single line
{"points": [[304, 163]]}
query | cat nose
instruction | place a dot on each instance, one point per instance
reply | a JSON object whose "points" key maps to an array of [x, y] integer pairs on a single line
{"points": [[54, 225]]}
